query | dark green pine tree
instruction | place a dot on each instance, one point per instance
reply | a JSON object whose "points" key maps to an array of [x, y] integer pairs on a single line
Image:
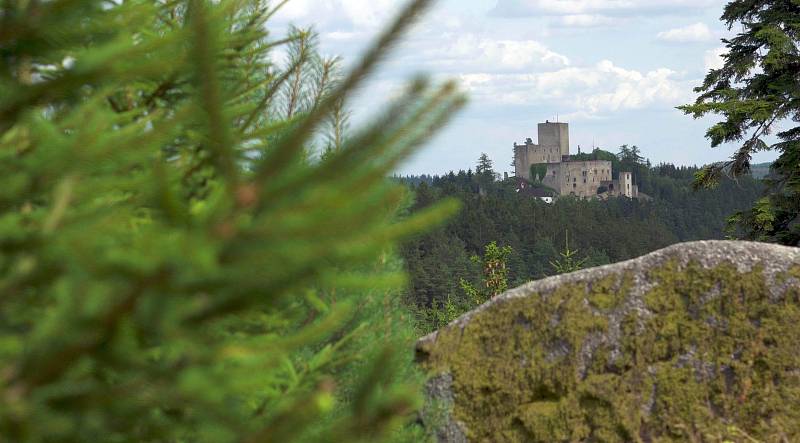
{"points": [[757, 93], [484, 173], [485, 165], [173, 267]]}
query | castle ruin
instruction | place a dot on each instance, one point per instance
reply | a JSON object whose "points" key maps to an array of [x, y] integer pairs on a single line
{"points": [[549, 162]]}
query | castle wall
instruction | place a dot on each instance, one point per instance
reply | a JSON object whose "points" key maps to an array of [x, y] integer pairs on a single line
{"points": [[553, 144], [552, 178], [579, 178], [544, 154], [521, 164]]}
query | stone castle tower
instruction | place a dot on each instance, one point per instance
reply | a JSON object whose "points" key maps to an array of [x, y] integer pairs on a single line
{"points": [[553, 145]]}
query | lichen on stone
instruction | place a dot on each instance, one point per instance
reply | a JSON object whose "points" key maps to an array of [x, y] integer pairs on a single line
{"points": [[691, 343]]}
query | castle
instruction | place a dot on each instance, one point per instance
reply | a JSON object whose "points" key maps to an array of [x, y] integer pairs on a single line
{"points": [[549, 163]]}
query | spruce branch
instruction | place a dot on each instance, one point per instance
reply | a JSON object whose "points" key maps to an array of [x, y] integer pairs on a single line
{"points": [[219, 140], [288, 147]]}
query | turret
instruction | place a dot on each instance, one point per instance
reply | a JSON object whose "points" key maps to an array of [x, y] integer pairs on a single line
{"points": [[626, 186], [554, 135]]}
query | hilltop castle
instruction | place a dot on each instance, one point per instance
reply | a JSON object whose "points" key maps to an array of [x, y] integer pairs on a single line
{"points": [[549, 162]]}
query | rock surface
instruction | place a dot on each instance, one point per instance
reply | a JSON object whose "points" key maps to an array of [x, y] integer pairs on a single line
{"points": [[696, 342]]}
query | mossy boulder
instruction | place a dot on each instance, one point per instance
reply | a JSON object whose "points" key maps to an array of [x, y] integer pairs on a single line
{"points": [[696, 342]]}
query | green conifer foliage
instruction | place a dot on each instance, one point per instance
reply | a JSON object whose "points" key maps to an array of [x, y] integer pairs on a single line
{"points": [[493, 282], [495, 274], [568, 262], [169, 257], [756, 93]]}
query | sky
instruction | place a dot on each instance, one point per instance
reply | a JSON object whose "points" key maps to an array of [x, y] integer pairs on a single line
{"points": [[613, 69]]}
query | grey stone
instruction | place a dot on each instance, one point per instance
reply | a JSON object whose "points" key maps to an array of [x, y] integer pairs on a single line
{"points": [[778, 267]]}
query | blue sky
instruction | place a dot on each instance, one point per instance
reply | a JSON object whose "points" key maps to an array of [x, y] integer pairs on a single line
{"points": [[613, 69]]}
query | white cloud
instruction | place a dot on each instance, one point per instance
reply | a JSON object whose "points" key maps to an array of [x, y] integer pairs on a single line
{"points": [[587, 20], [339, 36], [591, 91], [369, 13], [698, 32], [713, 58], [471, 52], [610, 7], [294, 9], [342, 15], [574, 6]]}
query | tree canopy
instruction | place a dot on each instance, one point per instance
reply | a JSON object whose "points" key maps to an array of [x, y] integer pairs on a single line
{"points": [[535, 232], [757, 94]]}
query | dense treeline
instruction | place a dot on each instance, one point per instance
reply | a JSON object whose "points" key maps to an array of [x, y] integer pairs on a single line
{"points": [[602, 231]]}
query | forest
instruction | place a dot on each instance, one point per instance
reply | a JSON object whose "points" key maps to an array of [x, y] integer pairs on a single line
{"points": [[597, 232]]}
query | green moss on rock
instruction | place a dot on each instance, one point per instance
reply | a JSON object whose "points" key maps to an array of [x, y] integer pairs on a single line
{"points": [[698, 342]]}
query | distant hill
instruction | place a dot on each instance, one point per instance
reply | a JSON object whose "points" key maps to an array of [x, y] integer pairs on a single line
{"points": [[760, 170], [602, 231]]}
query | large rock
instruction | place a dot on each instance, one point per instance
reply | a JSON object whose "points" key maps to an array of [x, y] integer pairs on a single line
{"points": [[696, 342]]}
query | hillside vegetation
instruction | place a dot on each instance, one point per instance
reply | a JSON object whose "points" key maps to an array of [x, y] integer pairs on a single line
{"points": [[601, 231]]}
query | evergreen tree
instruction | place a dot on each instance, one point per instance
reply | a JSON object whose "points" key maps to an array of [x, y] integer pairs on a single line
{"points": [[756, 92], [484, 174], [494, 280], [172, 266], [624, 152], [568, 262], [636, 158], [484, 166]]}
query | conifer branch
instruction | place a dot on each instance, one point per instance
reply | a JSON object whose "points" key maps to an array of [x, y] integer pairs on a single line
{"points": [[270, 93], [288, 147], [219, 140]]}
